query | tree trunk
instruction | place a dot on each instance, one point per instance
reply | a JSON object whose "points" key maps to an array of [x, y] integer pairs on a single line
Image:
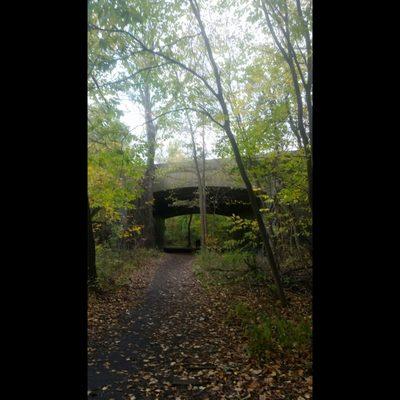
{"points": [[270, 231], [200, 185], [289, 55], [203, 219], [227, 128], [146, 209], [204, 195], [92, 272], [159, 224], [310, 177], [122, 241], [189, 240], [256, 210]]}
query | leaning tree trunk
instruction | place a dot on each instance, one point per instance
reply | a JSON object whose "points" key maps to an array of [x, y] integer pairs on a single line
{"points": [[92, 272], [255, 204], [227, 128]]}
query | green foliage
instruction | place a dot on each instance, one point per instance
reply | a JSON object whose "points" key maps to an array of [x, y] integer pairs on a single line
{"points": [[260, 339], [244, 235], [218, 230], [258, 88], [277, 334], [115, 266], [240, 313], [177, 230], [286, 210], [115, 169], [225, 234], [228, 268], [266, 334]]}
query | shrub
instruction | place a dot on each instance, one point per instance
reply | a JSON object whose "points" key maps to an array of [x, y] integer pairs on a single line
{"points": [[291, 334], [270, 333], [260, 338], [276, 333], [241, 313], [115, 266]]}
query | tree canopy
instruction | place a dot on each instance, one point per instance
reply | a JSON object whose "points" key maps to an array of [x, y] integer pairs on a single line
{"points": [[240, 71]]}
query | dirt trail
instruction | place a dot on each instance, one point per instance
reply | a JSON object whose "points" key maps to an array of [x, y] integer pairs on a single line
{"points": [[168, 346]]}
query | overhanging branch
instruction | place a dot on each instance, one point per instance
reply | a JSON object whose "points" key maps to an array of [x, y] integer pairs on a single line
{"points": [[160, 54], [125, 78]]}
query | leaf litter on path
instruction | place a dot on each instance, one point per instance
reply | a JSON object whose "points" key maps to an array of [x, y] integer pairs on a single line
{"points": [[171, 341]]}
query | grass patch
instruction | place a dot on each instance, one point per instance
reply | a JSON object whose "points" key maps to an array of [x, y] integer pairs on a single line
{"points": [[219, 269], [114, 267]]}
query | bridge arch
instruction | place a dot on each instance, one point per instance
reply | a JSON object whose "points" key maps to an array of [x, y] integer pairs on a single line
{"points": [[220, 200], [176, 187]]}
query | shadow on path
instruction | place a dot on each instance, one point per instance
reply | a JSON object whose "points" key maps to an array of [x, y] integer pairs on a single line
{"points": [[161, 347]]}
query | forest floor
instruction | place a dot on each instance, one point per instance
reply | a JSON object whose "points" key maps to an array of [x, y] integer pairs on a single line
{"points": [[166, 337]]}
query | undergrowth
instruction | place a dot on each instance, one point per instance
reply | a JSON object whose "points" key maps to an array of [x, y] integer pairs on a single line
{"points": [[221, 269], [266, 334], [115, 266]]}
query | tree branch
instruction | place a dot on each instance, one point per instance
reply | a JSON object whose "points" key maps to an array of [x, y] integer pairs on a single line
{"points": [[125, 78], [160, 54], [202, 111], [292, 68], [217, 75], [100, 91]]}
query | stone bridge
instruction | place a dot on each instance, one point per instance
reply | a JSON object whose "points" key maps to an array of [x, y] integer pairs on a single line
{"points": [[175, 191]]}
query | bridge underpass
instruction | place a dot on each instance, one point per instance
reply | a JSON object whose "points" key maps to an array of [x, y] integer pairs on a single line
{"points": [[175, 192]]}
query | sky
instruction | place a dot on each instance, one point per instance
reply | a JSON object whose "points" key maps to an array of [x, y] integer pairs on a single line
{"points": [[133, 118]]}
